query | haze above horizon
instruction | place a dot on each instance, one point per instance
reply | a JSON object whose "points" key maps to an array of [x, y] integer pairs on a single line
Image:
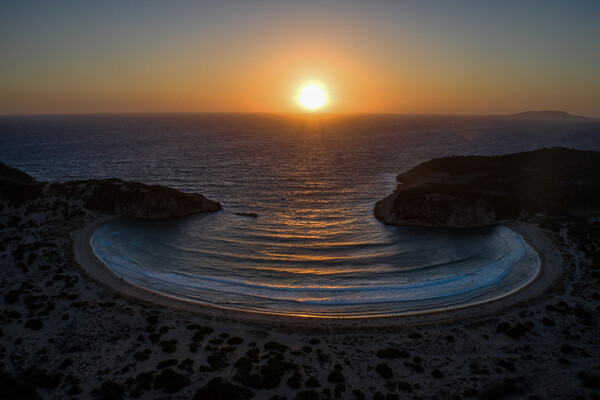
{"points": [[432, 57]]}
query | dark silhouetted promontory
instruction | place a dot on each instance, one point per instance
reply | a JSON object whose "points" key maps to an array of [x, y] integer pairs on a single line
{"points": [[472, 191], [9, 174], [108, 196], [545, 115]]}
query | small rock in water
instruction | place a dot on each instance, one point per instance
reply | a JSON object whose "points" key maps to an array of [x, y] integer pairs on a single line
{"points": [[244, 214]]}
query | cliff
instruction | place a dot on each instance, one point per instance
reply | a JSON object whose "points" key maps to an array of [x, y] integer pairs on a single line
{"points": [[108, 196], [473, 191]]}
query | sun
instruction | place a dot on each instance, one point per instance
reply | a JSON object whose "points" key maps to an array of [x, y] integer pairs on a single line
{"points": [[312, 97]]}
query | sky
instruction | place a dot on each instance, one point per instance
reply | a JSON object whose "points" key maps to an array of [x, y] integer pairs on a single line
{"points": [[439, 57]]}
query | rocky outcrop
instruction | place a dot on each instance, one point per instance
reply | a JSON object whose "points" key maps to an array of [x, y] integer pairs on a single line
{"points": [[474, 191], [117, 197], [107, 196]]}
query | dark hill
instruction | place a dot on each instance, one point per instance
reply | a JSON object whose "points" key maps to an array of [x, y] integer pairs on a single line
{"points": [[470, 191], [107, 196]]}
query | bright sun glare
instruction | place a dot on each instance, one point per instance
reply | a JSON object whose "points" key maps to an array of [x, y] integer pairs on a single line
{"points": [[312, 96]]}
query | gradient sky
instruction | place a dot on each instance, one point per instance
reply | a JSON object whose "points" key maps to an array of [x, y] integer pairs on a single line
{"points": [[449, 57]]}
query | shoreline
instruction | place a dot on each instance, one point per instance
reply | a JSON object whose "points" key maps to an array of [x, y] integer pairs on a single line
{"points": [[549, 271]]}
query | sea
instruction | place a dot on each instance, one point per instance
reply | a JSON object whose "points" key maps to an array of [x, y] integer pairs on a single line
{"points": [[314, 248]]}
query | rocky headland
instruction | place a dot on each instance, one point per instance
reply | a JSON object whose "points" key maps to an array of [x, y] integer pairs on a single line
{"points": [[107, 196], [475, 191]]}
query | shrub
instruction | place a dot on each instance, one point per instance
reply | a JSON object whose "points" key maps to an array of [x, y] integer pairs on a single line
{"points": [[216, 341], [166, 363], [312, 382], [339, 389], [169, 346], [40, 378], [154, 337], [437, 374], [307, 395], [142, 356], [13, 389], [218, 360], [272, 372], [170, 381], [518, 330], [234, 341], [277, 347], [12, 296], [295, 380], [109, 390], [391, 353], [501, 390], [335, 377], [385, 371], [187, 365], [548, 322], [567, 349], [163, 329], [405, 386], [502, 327], [34, 324], [592, 382], [218, 389]]}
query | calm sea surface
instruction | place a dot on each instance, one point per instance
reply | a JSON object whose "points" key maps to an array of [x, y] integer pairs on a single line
{"points": [[315, 248]]}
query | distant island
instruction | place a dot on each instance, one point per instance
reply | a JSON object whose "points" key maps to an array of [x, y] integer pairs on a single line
{"points": [[107, 196], [475, 191], [545, 115]]}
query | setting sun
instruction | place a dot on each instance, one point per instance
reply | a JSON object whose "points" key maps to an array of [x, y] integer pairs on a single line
{"points": [[312, 97]]}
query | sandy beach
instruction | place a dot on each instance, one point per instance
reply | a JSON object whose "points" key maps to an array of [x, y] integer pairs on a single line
{"points": [[71, 329], [549, 271]]}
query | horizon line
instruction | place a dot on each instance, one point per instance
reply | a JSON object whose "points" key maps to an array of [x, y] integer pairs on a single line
{"points": [[274, 113]]}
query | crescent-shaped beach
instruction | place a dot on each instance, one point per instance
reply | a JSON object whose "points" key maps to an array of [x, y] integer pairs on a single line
{"points": [[497, 278]]}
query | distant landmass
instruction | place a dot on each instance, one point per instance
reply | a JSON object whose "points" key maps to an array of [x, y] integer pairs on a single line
{"points": [[107, 196], [473, 191], [545, 115]]}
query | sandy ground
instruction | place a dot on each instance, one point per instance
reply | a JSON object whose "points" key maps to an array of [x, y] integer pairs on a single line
{"points": [[71, 331]]}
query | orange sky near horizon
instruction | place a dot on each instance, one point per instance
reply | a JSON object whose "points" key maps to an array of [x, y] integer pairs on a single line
{"points": [[386, 58]]}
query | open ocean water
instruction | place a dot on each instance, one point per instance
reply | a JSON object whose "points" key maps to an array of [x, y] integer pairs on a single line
{"points": [[315, 248]]}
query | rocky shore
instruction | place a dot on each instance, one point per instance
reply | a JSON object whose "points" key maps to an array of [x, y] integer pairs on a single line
{"points": [[475, 191]]}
